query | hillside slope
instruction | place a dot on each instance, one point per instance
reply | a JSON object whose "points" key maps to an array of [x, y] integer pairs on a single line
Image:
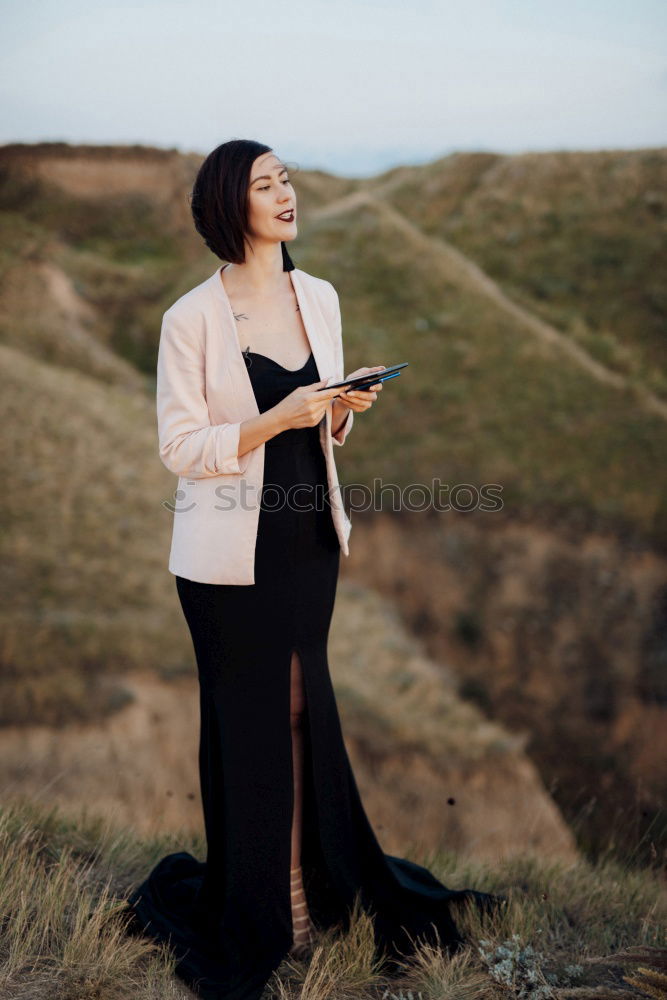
{"points": [[415, 746], [530, 306]]}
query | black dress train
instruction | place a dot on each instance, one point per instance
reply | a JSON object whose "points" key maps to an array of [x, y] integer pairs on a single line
{"points": [[229, 919]]}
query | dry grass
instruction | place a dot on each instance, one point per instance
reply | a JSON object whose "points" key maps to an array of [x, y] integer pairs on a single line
{"points": [[569, 931], [63, 928]]}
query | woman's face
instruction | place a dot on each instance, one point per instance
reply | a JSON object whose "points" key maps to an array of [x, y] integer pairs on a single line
{"points": [[270, 194]]}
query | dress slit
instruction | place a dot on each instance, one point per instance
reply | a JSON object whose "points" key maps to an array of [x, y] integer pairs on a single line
{"points": [[325, 903], [309, 822]]}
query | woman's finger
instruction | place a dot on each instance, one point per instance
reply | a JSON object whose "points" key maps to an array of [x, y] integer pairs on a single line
{"points": [[362, 394], [366, 397]]}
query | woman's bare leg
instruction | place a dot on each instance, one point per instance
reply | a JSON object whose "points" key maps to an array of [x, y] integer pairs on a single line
{"points": [[300, 916]]}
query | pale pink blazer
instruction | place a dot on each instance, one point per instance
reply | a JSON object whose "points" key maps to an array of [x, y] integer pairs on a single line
{"points": [[204, 393]]}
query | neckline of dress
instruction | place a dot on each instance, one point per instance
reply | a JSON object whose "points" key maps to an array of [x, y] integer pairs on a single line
{"points": [[292, 371]]}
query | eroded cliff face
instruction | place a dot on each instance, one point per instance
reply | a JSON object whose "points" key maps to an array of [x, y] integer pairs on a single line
{"points": [[162, 176], [556, 634], [433, 772], [433, 769]]}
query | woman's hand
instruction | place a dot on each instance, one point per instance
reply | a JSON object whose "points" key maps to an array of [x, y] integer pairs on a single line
{"points": [[361, 399], [304, 406]]}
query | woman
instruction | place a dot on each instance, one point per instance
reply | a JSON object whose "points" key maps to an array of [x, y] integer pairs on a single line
{"points": [[242, 417]]}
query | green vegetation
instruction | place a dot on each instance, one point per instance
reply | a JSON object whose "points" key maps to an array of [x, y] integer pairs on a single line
{"points": [[578, 238], [491, 403]]}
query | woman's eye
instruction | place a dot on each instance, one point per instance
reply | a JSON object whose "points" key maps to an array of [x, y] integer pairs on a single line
{"points": [[267, 186]]}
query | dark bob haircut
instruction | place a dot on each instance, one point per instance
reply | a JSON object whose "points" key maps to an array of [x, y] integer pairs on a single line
{"points": [[219, 200]]}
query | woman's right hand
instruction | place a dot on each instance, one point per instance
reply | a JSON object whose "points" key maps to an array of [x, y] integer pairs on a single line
{"points": [[305, 406]]}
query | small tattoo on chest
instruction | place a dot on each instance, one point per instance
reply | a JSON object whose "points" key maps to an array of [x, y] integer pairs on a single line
{"points": [[238, 316]]}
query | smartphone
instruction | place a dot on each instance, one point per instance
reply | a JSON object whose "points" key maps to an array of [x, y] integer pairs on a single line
{"points": [[368, 379]]}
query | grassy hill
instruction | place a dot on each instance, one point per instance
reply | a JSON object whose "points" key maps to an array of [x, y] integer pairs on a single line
{"points": [[526, 292], [484, 401], [579, 238], [493, 401]]}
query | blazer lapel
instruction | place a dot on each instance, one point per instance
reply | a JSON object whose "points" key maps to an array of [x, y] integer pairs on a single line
{"points": [[322, 347], [312, 321]]}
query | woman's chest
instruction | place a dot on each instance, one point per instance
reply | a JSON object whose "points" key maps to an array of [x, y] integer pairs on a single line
{"points": [[274, 328], [222, 368]]}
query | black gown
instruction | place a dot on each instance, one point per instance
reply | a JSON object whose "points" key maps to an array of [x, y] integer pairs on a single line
{"points": [[229, 919]]}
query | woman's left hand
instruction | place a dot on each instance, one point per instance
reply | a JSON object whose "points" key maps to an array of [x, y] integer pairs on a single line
{"points": [[361, 399]]}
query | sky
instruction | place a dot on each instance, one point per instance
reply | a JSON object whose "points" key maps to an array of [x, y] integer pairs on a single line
{"points": [[352, 87]]}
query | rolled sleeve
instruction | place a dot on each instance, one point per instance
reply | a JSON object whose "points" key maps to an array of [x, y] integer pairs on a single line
{"points": [[344, 430], [189, 445]]}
